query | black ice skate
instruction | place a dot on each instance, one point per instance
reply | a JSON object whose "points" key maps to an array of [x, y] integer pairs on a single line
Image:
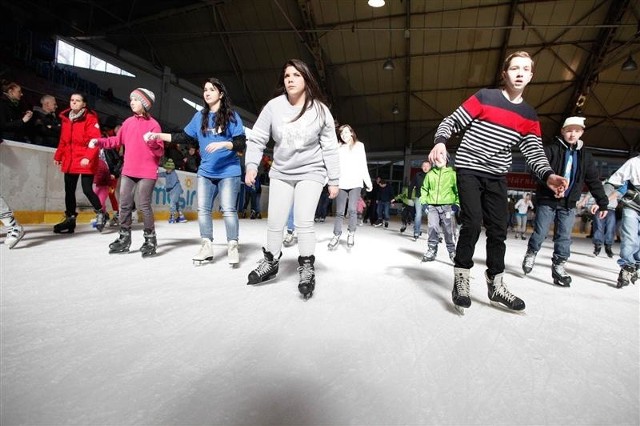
{"points": [[460, 294], [150, 244], [559, 274], [596, 249], [307, 276], [607, 249], [266, 270], [334, 242], [122, 244], [528, 261], [499, 294], [67, 226], [627, 276], [101, 220]]}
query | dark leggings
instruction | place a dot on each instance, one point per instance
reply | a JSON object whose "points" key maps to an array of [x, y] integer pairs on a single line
{"points": [[70, 185]]}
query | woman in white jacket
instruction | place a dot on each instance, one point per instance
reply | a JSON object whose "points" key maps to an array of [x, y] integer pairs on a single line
{"points": [[353, 172]]}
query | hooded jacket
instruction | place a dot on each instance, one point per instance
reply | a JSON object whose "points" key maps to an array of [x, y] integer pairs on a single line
{"points": [[586, 173], [74, 143], [440, 187]]}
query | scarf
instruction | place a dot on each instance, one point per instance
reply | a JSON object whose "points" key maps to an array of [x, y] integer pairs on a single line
{"points": [[74, 116]]}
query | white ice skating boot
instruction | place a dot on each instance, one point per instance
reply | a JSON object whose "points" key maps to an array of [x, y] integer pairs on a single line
{"points": [[233, 255], [460, 294], [351, 239], [500, 295], [205, 254], [288, 239], [528, 261], [430, 255], [334, 242], [14, 234]]}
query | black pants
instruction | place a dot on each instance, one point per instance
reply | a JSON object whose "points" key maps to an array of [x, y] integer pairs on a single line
{"points": [[70, 185], [482, 201]]}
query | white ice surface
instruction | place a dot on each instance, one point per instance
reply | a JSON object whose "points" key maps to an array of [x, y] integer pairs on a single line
{"points": [[90, 338]]}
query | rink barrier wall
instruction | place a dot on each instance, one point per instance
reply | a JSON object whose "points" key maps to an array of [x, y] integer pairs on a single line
{"points": [[33, 186]]}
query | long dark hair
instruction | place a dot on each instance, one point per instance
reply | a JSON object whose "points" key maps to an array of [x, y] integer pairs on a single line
{"points": [[312, 88], [354, 137], [224, 115]]}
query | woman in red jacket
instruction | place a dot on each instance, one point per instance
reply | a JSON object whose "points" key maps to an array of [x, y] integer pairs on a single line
{"points": [[77, 161]]}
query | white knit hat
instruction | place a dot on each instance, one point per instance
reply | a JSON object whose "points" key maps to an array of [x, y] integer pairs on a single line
{"points": [[145, 96], [574, 121]]}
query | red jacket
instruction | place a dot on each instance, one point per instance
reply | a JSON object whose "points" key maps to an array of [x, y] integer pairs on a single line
{"points": [[74, 140]]}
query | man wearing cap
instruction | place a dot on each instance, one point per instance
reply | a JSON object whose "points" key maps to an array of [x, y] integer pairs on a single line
{"points": [[567, 158]]}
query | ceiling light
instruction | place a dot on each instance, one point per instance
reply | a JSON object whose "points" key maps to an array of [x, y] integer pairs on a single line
{"points": [[376, 3], [629, 64], [388, 64], [395, 110]]}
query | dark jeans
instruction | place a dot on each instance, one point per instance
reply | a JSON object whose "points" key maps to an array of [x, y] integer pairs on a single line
{"points": [[70, 185], [604, 230], [563, 219], [482, 201]]}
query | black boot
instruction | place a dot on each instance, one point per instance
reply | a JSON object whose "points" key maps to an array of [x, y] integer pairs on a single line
{"points": [[307, 275], [67, 226], [148, 248], [559, 274], [596, 249], [122, 244], [607, 249], [266, 270]]}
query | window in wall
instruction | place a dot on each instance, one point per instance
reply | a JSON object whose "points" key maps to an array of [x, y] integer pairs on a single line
{"points": [[68, 54]]}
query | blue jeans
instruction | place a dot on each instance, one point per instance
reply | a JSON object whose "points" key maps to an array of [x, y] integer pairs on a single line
{"points": [[630, 238], [208, 189], [174, 199], [604, 230], [290, 224], [383, 210], [564, 220]]}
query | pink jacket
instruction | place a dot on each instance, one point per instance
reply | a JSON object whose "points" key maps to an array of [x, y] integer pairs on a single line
{"points": [[141, 158]]}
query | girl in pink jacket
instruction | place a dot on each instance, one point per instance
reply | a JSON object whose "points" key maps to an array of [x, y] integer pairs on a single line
{"points": [[141, 158]]}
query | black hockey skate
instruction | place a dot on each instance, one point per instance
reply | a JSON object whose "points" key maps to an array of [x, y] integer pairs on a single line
{"points": [[67, 226], [627, 276], [559, 274], [499, 294], [122, 244], [460, 294], [266, 270], [101, 220], [148, 248], [307, 276]]}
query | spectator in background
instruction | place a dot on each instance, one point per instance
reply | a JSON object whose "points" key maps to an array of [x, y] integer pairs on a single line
{"points": [[385, 194], [77, 160], [14, 116], [191, 160], [522, 208], [45, 124]]}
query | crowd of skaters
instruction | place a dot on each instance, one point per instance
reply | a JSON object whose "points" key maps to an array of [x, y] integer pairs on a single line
{"points": [[314, 162]]}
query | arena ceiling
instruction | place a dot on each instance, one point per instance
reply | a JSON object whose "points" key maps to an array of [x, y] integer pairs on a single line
{"points": [[442, 52]]}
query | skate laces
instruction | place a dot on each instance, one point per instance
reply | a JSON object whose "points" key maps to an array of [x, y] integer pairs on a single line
{"points": [[263, 268], [306, 272], [15, 231], [529, 259], [462, 284], [502, 291]]}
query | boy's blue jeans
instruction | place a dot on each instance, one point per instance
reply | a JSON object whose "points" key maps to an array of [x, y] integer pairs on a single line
{"points": [[604, 230], [630, 238], [208, 190], [383, 210], [564, 220]]}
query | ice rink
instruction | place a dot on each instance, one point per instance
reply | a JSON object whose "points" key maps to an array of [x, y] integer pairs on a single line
{"points": [[90, 338]]}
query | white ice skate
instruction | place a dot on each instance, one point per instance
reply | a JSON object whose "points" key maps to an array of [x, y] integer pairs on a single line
{"points": [[205, 254], [232, 253]]}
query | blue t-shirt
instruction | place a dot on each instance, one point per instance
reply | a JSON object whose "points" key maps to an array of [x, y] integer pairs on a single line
{"points": [[224, 162]]}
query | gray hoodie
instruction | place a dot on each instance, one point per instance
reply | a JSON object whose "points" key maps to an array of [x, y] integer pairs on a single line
{"points": [[305, 149]]}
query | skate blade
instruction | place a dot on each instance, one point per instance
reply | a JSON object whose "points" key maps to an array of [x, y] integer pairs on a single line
{"points": [[307, 296], [266, 280], [119, 251], [459, 309], [199, 262], [506, 308]]}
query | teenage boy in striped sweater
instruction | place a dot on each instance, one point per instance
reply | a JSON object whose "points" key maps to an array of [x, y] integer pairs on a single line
{"points": [[493, 120]]}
